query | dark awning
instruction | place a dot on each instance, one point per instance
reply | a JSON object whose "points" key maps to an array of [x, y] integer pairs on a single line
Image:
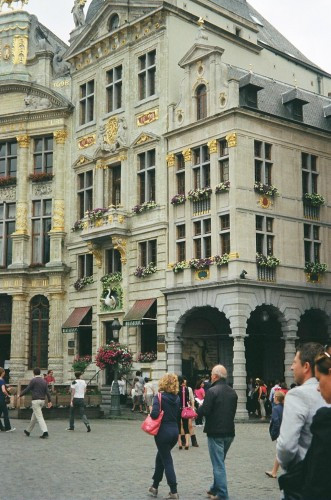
{"points": [[137, 313], [75, 319]]}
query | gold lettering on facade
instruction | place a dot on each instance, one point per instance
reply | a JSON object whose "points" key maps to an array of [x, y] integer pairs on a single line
{"points": [[58, 216], [23, 141], [61, 83], [212, 145], [170, 159], [60, 136], [147, 117], [87, 141], [234, 255], [231, 140], [20, 49], [187, 153]]}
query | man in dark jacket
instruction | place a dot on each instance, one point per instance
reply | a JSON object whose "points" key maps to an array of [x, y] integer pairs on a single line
{"points": [[219, 408]]}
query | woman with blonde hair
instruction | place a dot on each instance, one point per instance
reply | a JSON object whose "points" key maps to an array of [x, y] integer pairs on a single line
{"points": [[167, 436]]}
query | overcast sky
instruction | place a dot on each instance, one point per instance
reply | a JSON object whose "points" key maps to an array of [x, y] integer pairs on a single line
{"points": [[305, 23]]}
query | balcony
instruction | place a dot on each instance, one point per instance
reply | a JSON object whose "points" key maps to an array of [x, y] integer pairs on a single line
{"points": [[311, 211], [114, 221], [265, 273], [201, 207]]}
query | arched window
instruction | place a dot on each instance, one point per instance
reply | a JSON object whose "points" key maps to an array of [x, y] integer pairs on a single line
{"points": [[201, 95], [114, 22], [39, 324]]}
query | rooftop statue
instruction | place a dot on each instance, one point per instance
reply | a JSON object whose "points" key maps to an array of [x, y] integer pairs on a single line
{"points": [[78, 12], [10, 2]]}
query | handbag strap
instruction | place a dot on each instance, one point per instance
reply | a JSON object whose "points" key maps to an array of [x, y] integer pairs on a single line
{"points": [[184, 402], [160, 399]]}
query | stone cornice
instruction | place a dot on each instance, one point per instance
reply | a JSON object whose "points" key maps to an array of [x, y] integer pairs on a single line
{"points": [[33, 89]]}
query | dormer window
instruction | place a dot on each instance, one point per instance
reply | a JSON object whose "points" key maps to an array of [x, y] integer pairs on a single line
{"points": [[249, 86], [294, 101], [114, 22], [201, 96]]}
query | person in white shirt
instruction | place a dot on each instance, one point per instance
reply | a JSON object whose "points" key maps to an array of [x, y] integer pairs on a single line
{"points": [[78, 390], [148, 394]]}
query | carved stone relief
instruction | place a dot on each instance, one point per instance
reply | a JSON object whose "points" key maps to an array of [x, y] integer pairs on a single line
{"points": [[8, 193], [41, 189], [35, 102]]}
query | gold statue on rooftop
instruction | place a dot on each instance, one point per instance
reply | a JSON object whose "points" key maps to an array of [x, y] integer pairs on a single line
{"points": [[10, 2]]}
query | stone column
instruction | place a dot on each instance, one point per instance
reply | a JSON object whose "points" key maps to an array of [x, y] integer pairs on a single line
{"points": [[57, 232], [98, 184], [20, 236], [290, 330], [18, 357], [173, 348], [55, 356]]}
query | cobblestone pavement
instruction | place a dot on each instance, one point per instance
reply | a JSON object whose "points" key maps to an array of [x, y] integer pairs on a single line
{"points": [[115, 461]]}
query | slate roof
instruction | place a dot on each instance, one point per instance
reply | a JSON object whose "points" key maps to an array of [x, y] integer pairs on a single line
{"points": [[94, 7], [270, 100]]}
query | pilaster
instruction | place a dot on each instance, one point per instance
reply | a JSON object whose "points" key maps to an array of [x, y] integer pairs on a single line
{"points": [[55, 356], [290, 330], [18, 360]]}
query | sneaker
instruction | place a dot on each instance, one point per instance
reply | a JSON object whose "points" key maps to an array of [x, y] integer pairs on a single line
{"points": [[70, 429], [27, 433], [171, 495], [44, 436], [88, 428], [11, 430], [152, 491]]}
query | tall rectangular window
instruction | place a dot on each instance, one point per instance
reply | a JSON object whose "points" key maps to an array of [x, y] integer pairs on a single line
{"points": [[223, 160], [85, 192], [147, 252], [264, 235], [41, 225], [146, 176], [225, 233], [113, 261], [202, 238], [8, 158], [180, 173], [180, 242], [114, 89], [85, 265], [7, 228], [309, 173], [146, 75], [43, 155], [201, 167], [263, 163], [312, 242], [115, 185], [86, 102]]}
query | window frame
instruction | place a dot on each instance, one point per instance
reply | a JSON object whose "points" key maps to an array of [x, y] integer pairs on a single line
{"points": [[201, 102], [309, 174], [264, 235], [311, 243], [146, 176], [202, 240], [146, 75], [115, 88], [113, 261], [44, 153], [32, 362], [263, 163], [180, 173], [41, 239], [201, 168], [223, 160], [86, 103], [6, 243], [8, 158], [84, 265], [225, 238], [180, 243], [85, 193], [146, 252]]}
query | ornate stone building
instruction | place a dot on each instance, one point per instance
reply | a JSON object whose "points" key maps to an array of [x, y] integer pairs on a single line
{"points": [[195, 191]]}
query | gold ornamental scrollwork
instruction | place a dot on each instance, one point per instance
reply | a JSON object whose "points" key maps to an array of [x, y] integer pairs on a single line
{"points": [[120, 245], [212, 146], [111, 130], [20, 49], [231, 140], [60, 136], [96, 251], [143, 138], [23, 141], [101, 165], [170, 159], [58, 216], [21, 219], [187, 153]]}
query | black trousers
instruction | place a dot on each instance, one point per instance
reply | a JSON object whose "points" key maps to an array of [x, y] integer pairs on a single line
{"points": [[165, 440]]}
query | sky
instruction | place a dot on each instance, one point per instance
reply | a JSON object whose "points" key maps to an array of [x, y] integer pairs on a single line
{"points": [[302, 22]]}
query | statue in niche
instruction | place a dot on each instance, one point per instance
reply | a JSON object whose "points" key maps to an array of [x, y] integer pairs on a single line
{"points": [[60, 67], [78, 13]]}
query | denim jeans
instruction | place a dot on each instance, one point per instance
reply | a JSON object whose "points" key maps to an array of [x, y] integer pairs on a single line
{"points": [[77, 403], [4, 411], [218, 448]]}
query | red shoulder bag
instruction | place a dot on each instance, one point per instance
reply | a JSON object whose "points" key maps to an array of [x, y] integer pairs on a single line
{"points": [[152, 425]]}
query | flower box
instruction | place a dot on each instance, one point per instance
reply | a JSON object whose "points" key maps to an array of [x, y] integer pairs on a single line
{"points": [[80, 364], [94, 399], [314, 199], [96, 214], [199, 194], [142, 272], [178, 199], [146, 357], [223, 187], [200, 263], [269, 261], [8, 180], [265, 189], [63, 399], [82, 282], [147, 205], [42, 177], [78, 225]]}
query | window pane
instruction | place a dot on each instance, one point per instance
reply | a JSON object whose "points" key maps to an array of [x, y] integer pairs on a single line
{"points": [[270, 245], [269, 224], [143, 253], [316, 232], [225, 243], [197, 228], [12, 166], [259, 243], [224, 170], [207, 226], [207, 244], [268, 151], [152, 253], [181, 231], [181, 183], [181, 255], [151, 158], [142, 62], [197, 249], [142, 188], [89, 265], [11, 211], [36, 208], [259, 223], [47, 207], [89, 178], [306, 230], [307, 251], [258, 149], [225, 221], [258, 171]]}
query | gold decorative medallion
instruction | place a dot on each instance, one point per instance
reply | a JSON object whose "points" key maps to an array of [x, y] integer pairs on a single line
{"points": [[147, 117], [170, 159], [20, 49], [187, 153], [264, 202], [212, 146], [60, 136], [87, 141], [231, 140], [111, 129], [23, 141]]}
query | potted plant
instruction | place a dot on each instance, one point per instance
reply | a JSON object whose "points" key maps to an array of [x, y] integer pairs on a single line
{"points": [[314, 270], [78, 225], [114, 355], [178, 267], [314, 199], [80, 363], [221, 260], [108, 279], [96, 214], [146, 357], [222, 187], [199, 194], [142, 272], [265, 189], [269, 261], [178, 199], [63, 396], [200, 263], [82, 282]]}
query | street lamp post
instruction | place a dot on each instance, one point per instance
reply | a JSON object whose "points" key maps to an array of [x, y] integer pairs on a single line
{"points": [[115, 406]]}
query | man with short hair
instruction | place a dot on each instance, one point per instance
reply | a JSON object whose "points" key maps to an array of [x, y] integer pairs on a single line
{"points": [[219, 408], [78, 390], [39, 390], [301, 404]]}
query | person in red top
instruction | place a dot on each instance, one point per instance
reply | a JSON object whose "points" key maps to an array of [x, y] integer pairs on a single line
{"points": [[283, 388], [199, 396], [50, 377], [262, 396]]}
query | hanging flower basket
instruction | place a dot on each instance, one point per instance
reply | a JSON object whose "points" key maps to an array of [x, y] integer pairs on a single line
{"points": [[142, 272], [267, 261], [8, 180], [222, 187], [314, 199], [42, 177], [178, 199], [82, 282], [146, 357], [261, 188], [80, 364], [114, 355], [199, 194], [147, 205]]}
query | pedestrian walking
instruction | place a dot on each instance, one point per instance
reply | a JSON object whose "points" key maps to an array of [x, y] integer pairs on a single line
{"points": [[316, 471], [138, 395], [78, 390], [262, 397], [167, 436], [183, 422], [301, 404], [219, 409], [148, 394], [199, 396], [3, 404], [191, 429], [274, 428], [39, 390]]}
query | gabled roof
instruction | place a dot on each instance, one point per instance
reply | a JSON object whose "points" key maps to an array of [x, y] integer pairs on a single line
{"points": [[198, 51]]}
